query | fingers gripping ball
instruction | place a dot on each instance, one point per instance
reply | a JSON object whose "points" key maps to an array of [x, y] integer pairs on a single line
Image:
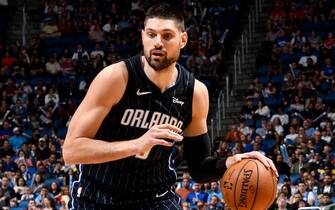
{"points": [[248, 185]]}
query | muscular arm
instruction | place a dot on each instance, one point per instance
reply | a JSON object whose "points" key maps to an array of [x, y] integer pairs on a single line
{"points": [[197, 150], [106, 91], [79, 146]]}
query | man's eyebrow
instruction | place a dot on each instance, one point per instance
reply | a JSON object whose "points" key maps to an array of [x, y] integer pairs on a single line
{"points": [[163, 30]]}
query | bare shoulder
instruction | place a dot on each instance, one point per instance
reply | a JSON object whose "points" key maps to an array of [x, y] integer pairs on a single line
{"points": [[200, 89], [200, 99], [117, 72], [111, 82], [200, 106]]}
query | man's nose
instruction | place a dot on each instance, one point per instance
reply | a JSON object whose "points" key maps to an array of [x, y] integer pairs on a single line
{"points": [[158, 41]]}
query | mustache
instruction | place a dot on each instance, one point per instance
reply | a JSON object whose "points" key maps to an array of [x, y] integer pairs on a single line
{"points": [[158, 51]]}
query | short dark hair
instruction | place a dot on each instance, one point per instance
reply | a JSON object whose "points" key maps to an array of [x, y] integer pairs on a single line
{"points": [[166, 10]]}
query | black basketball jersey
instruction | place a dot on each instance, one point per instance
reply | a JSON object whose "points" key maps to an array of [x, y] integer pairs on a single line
{"points": [[141, 107]]}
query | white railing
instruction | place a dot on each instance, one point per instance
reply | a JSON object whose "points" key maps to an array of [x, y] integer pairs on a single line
{"points": [[24, 23], [216, 123], [318, 208]]}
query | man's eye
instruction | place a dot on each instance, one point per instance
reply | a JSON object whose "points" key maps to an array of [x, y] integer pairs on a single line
{"points": [[167, 36], [151, 35]]}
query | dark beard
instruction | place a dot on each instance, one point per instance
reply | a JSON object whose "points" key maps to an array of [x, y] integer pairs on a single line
{"points": [[158, 66]]}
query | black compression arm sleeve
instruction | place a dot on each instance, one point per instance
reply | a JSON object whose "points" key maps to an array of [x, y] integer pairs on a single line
{"points": [[202, 166]]}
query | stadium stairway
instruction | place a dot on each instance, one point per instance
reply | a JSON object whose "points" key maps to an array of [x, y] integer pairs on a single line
{"points": [[33, 19], [248, 70], [244, 80]]}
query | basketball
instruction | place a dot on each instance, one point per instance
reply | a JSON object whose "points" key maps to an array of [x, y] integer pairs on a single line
{"points": [[249, 185]]}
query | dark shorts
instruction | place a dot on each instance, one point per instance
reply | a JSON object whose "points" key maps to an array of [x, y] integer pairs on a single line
{"points": [[165, 201]]}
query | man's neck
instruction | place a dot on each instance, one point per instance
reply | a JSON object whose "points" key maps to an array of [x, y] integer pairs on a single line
{"points": [[164, 78]]}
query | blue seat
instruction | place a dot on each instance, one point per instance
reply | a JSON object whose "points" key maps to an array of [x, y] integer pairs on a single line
{"points": [[277, 79], [51, 41], [61, 132], [24, 203], [249, 122], [84, 40], [267, 145], [271, 102], [264, 79], [48, 182], [18, 208], [67, 40], [330, 98], [46, 131], [262, 70], [32, 170], [52, 50], [281, 178], [294, 178]]}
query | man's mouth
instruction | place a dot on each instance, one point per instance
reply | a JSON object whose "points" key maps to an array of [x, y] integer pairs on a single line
{"points": [[157, 53]]}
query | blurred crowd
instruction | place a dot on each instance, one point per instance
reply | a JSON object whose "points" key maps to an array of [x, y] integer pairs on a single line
{"points": [[43, 82], [289, 108]]}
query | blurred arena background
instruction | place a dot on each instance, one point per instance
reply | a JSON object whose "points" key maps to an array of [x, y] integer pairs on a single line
{"points": [[268, 65]]}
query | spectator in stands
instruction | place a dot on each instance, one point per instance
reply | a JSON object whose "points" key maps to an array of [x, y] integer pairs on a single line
{"points": [[298, 163], [67, 65], [282, 203], [43, 151], [96, 34], [36, 67], [6, 149], [197, 195], [43, 194], [53, 67], [185, 188], [284, 118], [79, 55], [7, 59], [303, 61], [214, 203], [329, 42], [20, 187], [326, 200], [262, 111], [327, 185], [247, 112], [50, 30], [28, 196], [307, 196], [233, 134], [8, 191], [4, 200], [298, 40], [282, 167], [51, 98], [17, 139], [286, 189], [31, 204], [215, 191], [64, 197], [38, 183], [314, 40], [97, 50], [22, 159]]}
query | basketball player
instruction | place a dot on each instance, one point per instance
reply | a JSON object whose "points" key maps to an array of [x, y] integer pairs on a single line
{"points": [[123, 132]]}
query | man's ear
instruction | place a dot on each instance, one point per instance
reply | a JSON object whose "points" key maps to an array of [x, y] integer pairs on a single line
{"points": [[184, 38]]}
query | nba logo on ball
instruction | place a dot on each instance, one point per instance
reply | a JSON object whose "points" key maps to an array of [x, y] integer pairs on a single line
{"points": [[249, 185]]}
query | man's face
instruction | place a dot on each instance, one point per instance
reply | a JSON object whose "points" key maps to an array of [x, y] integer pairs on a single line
{"points": [[4, 182], [196, 187], [186, 182], [214, 186], [162, 41]]}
